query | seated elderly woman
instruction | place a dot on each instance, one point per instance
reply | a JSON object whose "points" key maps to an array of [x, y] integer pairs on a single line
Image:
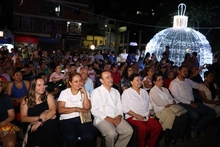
{"points": [[136, 106], [7, 115], [161, 99]]}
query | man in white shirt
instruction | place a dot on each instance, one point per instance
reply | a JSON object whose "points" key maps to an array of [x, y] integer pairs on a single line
{"points": [[182, 90], [123, 56], [107, 112]]}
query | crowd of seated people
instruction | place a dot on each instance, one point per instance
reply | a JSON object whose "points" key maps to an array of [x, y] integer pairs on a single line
{"points": [[49, 85]]}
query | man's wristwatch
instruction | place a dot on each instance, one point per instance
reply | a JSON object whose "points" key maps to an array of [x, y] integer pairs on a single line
{"points": [[40, 120]]}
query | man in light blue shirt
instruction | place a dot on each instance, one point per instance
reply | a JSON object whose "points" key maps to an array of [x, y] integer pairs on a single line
{"points": [[87, 82]]}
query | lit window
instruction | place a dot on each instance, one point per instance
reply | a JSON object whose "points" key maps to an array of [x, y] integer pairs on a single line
{"points": [[139, 12]]}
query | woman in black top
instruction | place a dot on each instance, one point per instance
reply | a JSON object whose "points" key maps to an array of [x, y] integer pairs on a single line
{"points": [[39, 110]]}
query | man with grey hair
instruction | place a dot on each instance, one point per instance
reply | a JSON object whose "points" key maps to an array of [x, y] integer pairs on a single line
{"points": [[87, 82]]}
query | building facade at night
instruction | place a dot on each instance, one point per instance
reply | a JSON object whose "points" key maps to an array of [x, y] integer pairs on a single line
{"points": [[50, 24]]}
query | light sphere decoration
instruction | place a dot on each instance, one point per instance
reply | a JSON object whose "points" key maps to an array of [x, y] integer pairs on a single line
{"points": [[181, 40]]}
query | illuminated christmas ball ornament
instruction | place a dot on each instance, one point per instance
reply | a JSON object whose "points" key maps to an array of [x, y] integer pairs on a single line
{"points": [[181, 40]]}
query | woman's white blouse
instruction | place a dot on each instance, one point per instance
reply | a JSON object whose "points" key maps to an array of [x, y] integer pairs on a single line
{"points": [[70, 101], [160, 98], [138, 103]]}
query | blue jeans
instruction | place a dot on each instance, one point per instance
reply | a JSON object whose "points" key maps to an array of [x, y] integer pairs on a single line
{"points": [[72, 129], [200, 116]]}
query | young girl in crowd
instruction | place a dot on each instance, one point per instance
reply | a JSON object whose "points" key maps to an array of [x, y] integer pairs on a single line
{"points": [[147, 81]]}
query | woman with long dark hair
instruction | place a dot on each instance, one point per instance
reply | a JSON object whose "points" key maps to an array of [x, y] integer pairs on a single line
{"points": [[38, 110], [125, 81], [210, 95]]}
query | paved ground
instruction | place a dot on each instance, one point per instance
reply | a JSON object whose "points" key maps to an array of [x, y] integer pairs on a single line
{"points": [[209, 140]]}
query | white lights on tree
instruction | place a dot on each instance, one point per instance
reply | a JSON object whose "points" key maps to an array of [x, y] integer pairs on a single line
{"points": [[181, 40]]}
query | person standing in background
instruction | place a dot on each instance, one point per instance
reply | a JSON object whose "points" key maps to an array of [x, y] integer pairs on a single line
{"points": [[141, 60], [195, 59], [25, 55], [137, 55], [167, 51], [123, 56]]}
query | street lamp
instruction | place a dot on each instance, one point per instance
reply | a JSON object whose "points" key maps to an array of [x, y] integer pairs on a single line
{"points": [[92, 47], [57, 10], [1, 34]]}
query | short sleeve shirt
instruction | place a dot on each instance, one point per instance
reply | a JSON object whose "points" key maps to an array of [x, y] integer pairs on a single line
{"points": [[5, 105]]}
